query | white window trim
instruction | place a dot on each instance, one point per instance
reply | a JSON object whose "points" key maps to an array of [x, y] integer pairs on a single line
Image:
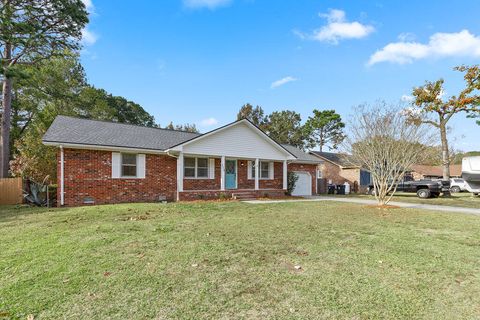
{"points": [[196, 169], [251, 167]]}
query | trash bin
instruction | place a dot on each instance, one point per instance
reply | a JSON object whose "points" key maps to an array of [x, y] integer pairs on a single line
{"points": [[347, 187], [341, 189], [331, 189]]}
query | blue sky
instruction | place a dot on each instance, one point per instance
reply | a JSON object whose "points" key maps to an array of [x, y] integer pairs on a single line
{"points": [[198, 61]]}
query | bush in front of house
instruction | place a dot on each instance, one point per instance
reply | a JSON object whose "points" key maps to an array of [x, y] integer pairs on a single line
{"points": [[292, 179]]}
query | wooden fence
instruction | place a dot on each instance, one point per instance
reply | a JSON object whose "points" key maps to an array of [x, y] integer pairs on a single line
{"points": [[11, 191]]}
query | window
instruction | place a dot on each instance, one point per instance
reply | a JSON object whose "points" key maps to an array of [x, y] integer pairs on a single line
{"points": [[264, 173], [129, 165], [202, 168], [195, 167], [264, 170]]}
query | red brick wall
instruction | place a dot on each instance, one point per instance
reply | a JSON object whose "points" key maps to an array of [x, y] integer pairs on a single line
{"points": [[277, 181], [310, 168], [242, 179], [88, 174], [340, 176]]}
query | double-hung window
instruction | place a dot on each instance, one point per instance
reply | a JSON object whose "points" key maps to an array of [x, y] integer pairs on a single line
{"points": [[195, 167], [265, 170], [129, 165]]}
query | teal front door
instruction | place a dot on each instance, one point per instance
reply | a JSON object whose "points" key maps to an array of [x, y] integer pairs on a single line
{"points": [[230, 174]]}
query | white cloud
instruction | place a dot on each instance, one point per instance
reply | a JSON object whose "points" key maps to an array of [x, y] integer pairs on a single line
{"points": [[210, 4], [208, 122], [88, 37], [338, 28], [461, 44], [282, 81]]}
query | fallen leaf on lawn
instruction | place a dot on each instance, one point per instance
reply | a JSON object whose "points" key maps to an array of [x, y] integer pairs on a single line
{"points": [[107, 274], [66, 280]]}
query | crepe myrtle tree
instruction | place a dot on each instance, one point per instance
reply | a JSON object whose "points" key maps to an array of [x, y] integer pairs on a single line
{"points": [[31, 31], [432, 108], [384, 142]]}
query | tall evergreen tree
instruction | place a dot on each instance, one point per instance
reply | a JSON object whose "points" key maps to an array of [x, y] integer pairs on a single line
{"points": [[325, 128], [32, 31]]}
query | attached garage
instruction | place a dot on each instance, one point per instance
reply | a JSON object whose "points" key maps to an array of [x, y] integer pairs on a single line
{"points": [[303, 187]]}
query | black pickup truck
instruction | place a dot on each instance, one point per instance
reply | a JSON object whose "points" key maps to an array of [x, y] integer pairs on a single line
{"points": [[423, 188]]}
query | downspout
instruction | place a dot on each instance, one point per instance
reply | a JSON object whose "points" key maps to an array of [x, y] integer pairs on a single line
{"points": [[62, 177]]}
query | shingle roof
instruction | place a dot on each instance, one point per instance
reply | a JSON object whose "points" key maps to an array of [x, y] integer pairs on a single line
{"points": [[437, 171], [341, 159], [70, 130], [301, 155]]}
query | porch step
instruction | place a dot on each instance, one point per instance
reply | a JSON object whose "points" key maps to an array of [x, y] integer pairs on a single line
{"points": [[247, 195]]}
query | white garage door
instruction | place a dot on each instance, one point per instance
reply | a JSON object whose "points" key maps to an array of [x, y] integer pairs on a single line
{"points": [[303, 187]]}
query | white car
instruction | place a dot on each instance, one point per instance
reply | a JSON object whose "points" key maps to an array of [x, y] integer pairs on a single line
{"points": [[457, 185]]}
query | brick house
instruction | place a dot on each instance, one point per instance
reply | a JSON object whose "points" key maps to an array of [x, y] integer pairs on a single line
{"points": [[425, 172], [338, 168], [104, 162]]}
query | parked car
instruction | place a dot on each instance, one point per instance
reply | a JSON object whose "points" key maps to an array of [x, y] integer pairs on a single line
{"points": [[457, 185], [423, 188]]}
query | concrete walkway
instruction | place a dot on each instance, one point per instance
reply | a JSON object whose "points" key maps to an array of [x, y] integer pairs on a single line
{"points": [[373, 202]]}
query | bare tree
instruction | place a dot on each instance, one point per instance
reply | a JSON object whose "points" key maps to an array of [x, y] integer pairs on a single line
{"points": [[385, 143]]}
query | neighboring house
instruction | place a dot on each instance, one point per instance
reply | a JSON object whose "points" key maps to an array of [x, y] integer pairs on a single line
{"points": [[338, 168], [424, 172], [104, 162]]}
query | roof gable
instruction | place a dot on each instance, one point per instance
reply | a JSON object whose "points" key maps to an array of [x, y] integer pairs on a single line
{"points": [[237, 139]]}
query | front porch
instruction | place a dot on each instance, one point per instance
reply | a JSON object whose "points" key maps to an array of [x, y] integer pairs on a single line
{"points": [[209, 177]]}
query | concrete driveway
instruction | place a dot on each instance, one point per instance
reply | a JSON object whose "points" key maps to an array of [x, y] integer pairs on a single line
{"points": [[373, 202]]}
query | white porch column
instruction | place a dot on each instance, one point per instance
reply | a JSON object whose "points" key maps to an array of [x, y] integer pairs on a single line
{"points": [[179, 174], [222, 174], [257, 171], [285, 177]]}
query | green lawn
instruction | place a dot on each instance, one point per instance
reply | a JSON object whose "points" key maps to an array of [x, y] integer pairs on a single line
{"points": [[231, 260], [463, 199]]}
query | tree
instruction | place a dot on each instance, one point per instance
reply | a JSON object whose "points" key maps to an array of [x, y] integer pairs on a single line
{"points": [[431, 108], [96, 103], [255, 115], [188, 127], [285, 127], [31, 31], [325, 128], [52, 87], [385, 143]]}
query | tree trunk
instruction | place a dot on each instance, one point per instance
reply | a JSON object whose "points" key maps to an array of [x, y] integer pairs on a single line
{"points": [[6, 117], [5, 132], [445, 151], [445, 158]]}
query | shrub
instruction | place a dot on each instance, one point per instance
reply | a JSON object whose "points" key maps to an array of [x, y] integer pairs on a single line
{"points": [[292, 179]]}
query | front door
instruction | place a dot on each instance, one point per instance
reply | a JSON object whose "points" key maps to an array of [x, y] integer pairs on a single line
{"points": [[230, 174]]}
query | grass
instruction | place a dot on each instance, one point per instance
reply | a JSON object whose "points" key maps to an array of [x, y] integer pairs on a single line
{"points": [[463, 199], [231, 260]]}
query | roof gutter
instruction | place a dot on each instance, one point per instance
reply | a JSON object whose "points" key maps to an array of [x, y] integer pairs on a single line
{"points": [[101, 147]]}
